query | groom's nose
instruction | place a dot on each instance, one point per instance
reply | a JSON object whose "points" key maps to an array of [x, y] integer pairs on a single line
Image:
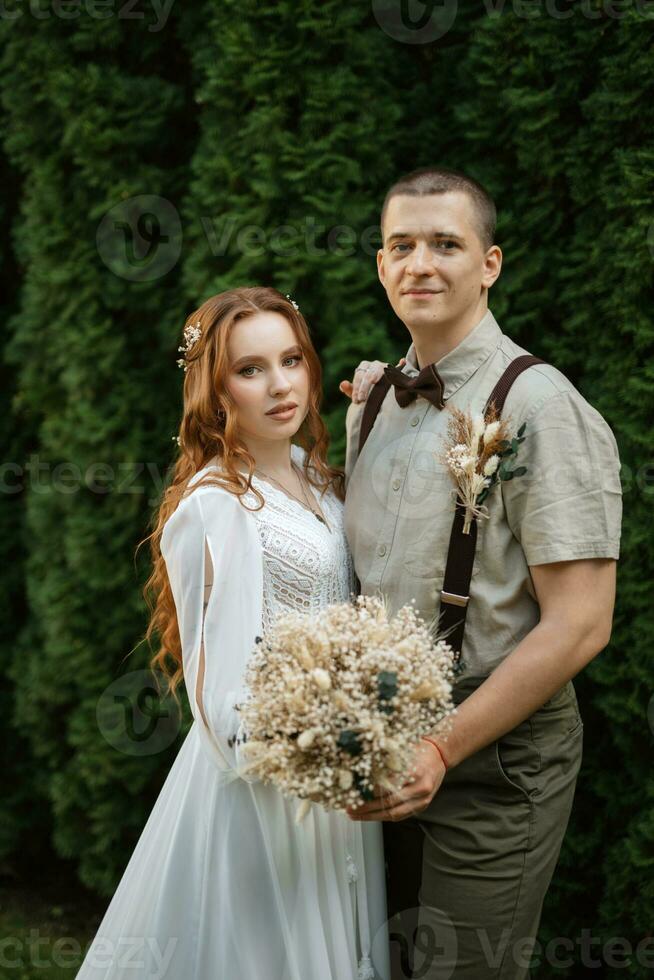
{"points": [[421, 260]]}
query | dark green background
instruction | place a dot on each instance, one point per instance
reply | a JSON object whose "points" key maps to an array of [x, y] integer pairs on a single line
{"points": [[263, 115]]}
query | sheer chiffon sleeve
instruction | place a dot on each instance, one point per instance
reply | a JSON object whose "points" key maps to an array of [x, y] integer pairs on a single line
{"points": [[214, 563]]}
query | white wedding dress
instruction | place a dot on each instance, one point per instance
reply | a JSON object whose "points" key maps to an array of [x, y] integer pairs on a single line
{"points": [[223, 884]]}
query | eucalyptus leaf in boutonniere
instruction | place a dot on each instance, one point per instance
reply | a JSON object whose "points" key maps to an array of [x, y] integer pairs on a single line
{"points": [[478, 454]]}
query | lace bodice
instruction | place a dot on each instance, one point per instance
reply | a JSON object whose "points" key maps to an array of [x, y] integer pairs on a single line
{"points": [[266, 562], [306, 566]]}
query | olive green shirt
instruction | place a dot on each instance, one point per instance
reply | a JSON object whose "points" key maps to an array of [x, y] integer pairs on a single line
{"points": [[400, 499]]}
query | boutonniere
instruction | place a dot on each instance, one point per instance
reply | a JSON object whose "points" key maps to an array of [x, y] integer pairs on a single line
{"points": [[477, 454]]}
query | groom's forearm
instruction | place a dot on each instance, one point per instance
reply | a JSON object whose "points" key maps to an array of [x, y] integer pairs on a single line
{"points": [[546, 659]]}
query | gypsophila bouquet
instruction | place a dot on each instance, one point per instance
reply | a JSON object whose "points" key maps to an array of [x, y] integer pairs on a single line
{"points": [[338, 700], [477, 456]]}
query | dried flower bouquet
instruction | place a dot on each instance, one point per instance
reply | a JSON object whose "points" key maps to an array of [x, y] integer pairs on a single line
{"points": [[338, 700]]}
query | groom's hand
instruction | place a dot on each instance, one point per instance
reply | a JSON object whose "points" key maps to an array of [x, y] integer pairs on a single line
{"points": [[366, 375], [413, 797]]}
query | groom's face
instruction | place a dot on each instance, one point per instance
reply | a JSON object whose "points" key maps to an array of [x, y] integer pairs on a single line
{"points": [[432, 263]]}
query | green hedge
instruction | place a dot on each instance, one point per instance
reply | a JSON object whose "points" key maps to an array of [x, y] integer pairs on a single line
{"points": [[277, 124]]}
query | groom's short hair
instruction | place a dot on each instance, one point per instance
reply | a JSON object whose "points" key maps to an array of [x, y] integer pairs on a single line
{"points": [[437, 180]]}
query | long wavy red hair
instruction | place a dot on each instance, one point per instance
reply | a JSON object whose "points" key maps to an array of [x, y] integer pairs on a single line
{"points": [[209, 429]]}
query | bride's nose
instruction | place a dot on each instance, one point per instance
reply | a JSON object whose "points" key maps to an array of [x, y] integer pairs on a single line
{"points": [[279, 383]]}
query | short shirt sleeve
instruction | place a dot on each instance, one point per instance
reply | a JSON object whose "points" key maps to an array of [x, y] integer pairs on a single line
{"points": [[568, 505], [353, 419]]}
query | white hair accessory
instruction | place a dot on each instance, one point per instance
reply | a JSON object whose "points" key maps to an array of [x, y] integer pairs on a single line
{"points": [[192, 333], [293, 303]]}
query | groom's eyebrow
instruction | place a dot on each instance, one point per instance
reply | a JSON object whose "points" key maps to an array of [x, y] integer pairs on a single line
{"points": [[432, 234], [260, 357]]}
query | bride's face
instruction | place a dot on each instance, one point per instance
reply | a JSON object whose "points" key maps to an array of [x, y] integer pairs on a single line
{"points": [[267, 369]]}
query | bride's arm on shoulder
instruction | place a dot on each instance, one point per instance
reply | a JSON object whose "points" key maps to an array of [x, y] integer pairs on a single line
{"points": [[364, 377], [213, 559]]}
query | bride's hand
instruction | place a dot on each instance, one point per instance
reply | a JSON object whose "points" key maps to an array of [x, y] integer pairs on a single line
{"points": [[366, 375]]}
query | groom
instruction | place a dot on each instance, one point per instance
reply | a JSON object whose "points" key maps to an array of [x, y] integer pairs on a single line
{"points": [[472, 844]]}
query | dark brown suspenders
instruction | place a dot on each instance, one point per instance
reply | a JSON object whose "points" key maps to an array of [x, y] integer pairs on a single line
{"points": [[461, 551]]}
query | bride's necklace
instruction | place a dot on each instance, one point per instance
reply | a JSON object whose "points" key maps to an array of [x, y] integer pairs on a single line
{"points": [[315, 513]]}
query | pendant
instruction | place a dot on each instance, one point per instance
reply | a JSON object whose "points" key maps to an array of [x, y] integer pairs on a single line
{"points": [[322, 520]]}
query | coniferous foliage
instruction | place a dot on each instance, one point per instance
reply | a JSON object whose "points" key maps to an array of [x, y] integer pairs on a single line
{"points": [[96, 114], [263, 136], [298, 115], [20, 821]]}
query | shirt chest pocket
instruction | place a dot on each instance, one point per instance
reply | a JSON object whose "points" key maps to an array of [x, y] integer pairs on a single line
{"points": [[427, 559]]}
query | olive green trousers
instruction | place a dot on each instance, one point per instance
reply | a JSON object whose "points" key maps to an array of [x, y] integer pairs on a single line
{"points": [[466, 879]]}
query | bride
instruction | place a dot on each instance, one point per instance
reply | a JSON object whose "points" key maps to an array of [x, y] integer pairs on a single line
{"points": [[223, 883]]}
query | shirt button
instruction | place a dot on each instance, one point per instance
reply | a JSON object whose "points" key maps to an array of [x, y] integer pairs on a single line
{"points": [[415, 420], [396, 484], [381, 550]]}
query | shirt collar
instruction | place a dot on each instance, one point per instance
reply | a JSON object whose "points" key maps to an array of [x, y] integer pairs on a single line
{"points": [[455, 367]]}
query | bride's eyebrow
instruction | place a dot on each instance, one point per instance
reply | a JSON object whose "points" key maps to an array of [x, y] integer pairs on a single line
{"points": [[260, 357]]}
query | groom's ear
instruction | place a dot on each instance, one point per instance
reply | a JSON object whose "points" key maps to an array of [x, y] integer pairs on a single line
{"points": [[380, 266], [492, 266]]}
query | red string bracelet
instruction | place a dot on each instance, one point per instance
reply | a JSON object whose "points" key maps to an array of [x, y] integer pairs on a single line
{"points": [[438, 748]]}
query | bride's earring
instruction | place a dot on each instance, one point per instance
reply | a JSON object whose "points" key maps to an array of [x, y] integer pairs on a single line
{"points": [[222, 415]]}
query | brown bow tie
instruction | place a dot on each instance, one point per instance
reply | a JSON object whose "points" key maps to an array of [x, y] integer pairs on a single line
{"points": [[428, 383]]}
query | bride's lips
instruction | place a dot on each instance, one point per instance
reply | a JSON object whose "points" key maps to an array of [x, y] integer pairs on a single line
{"points": [[285, 414]]}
